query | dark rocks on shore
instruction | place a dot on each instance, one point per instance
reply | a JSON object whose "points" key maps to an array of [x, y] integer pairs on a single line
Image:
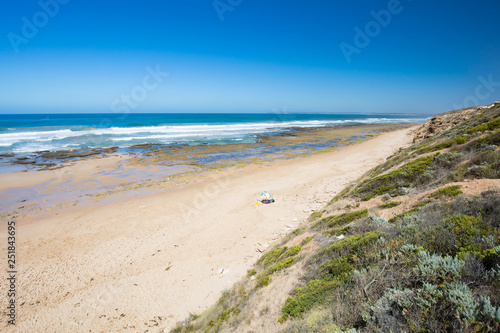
{"points": [[24, 161], [150, 146], [44, 159], [110, 150], [49, 166], [63, 154]]}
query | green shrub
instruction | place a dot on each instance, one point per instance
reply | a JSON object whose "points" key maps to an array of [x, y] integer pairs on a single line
{"points": [[317, 321], [378, 220], [405, 176], [437, 269], [263, 281], [491, 139], [315, 215], [437, 308], [293, 251], [463, 300], [447, 160], [306, 241], [487, 311], [390, 204], [305, 298], [387, 309], [467, 229], [460, 140], [353, 243], [439, 238], [489, 126], [490, 257], [272, 256], [416, 208], [439, 146], [223, 317], [336, 269], [298, 231], [251, 272], [275, 268], [337, 220], [485, 164], [449, 192], [282, 258]]}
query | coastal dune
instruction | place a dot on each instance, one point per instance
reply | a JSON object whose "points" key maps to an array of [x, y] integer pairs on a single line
{"points": [[142, 264]]}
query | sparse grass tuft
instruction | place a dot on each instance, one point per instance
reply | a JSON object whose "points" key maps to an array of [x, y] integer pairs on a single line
{"points": [[251, 272], [316, 215], [449, 192], [354, 243], [306, 241], [390, 204], [275, 261], [338, 220], [439, 146], [391, 183], [222, 318]]}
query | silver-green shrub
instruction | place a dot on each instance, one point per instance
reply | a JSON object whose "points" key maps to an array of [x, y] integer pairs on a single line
{"points": [[463, 299], [435, 268]]}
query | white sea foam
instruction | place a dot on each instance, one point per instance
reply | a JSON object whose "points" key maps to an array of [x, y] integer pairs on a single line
{"points": [[31, 141], [169, 131]]}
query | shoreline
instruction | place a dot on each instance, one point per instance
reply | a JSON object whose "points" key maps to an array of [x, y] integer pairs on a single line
{"points": [[147, 262], [152, 168]]}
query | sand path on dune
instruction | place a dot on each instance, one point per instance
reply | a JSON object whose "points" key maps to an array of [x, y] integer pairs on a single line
{"points": [[142, 264]]}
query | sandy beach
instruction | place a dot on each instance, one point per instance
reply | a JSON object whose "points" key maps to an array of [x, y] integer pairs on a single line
{"points": [[142, 264]]}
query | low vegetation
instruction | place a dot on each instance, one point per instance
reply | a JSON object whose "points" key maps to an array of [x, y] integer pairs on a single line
{"points": [[390, 204], [274, 261], [449, 192], [433, 267]]}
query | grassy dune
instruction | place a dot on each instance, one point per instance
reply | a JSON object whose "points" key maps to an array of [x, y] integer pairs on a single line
{"points": [[408, 247]]}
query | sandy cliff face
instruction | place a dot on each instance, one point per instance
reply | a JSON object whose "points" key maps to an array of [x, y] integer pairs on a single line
{"points": [[445, 121]]}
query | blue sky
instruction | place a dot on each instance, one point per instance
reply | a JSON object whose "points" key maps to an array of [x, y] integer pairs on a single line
{"points": [[420, 56]]}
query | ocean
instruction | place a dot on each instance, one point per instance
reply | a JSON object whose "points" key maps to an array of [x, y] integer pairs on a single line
{"points": [[22, 134]]}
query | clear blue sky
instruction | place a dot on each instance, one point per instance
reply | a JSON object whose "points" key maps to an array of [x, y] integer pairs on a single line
{"points": [[248, 55]]}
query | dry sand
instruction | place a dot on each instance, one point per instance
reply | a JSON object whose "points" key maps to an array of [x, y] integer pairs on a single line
{"points": [[140, 265]]}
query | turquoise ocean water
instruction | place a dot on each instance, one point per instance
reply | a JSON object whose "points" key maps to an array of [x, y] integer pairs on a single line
{"points": [[28, 133]]}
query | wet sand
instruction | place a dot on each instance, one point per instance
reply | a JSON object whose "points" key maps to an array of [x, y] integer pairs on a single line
{"points": [[147, 169], [142, 264]]}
